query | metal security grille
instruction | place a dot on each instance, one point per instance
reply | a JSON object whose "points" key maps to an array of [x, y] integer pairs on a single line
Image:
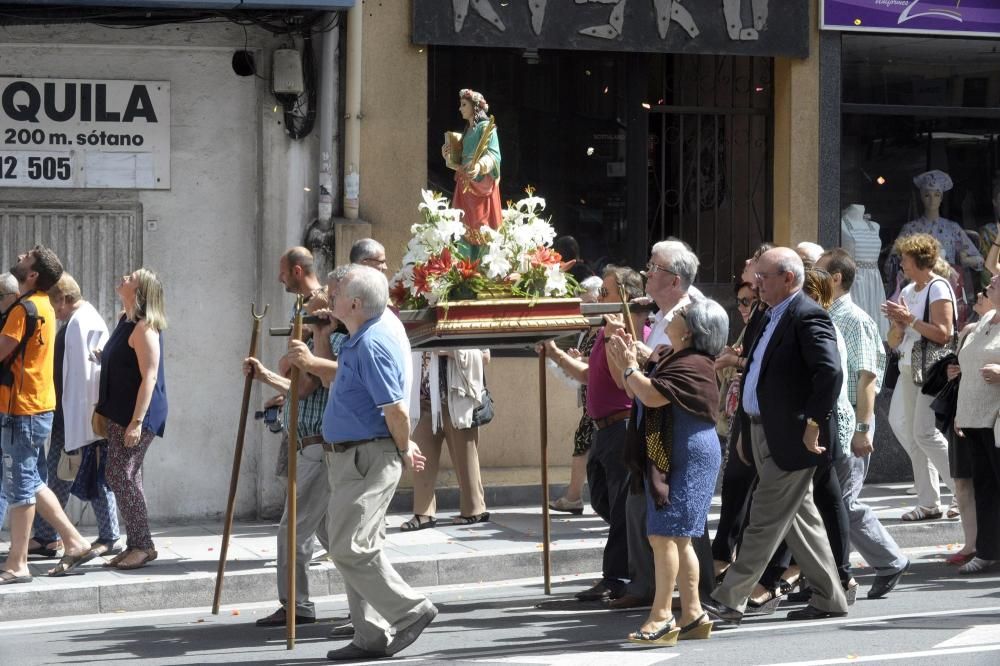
{"points": [[95, 244], [710, 156]]}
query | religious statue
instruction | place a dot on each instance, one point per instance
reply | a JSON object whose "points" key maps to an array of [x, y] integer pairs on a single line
{"points": [[474, 156]]}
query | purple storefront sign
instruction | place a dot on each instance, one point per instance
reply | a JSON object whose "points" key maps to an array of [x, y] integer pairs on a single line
{"points": [[974, 18]]}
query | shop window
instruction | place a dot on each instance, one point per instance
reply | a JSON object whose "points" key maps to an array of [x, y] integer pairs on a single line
{"points": [[910, 105]]}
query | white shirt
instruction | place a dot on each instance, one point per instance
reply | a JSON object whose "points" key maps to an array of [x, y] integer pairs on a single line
{"points": [[658, 333], [915, 301], [81, 377]]}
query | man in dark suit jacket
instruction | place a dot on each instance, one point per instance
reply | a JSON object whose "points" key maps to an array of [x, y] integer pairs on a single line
{"points": [[790, 388]]}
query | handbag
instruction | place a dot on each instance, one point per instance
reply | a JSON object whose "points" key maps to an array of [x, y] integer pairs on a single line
{"points": [[69, 465], [483, 414], [99, 424], [926, 352]]}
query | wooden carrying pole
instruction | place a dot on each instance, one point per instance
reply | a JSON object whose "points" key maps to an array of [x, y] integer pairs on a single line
{"points": [[543, 424], [293, 453], [234, 477], [629, 324]]}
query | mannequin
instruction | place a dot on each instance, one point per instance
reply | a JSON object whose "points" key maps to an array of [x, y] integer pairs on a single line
{"points": [[859, 237], [956, 247], [988, 232]]}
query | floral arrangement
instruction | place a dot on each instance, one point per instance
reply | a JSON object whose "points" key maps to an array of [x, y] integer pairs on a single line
{"points": [[515, 260]]}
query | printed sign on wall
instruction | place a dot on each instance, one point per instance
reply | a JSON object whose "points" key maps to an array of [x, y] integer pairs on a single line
{"points": [[84, 133], [973, 18], [725, 27]]}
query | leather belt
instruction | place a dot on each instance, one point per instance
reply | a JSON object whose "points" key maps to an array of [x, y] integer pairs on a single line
{"points": [[314, 439], [340, 447], [867, 265], [601, 424]]}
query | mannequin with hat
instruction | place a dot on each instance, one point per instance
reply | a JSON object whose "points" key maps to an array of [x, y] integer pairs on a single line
{"points": [[956, 246], [859, 237]]}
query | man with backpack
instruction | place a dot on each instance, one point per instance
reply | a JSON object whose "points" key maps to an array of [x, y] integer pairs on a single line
{"points": [[27, 403]]}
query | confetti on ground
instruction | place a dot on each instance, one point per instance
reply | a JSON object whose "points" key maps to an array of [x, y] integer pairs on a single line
{"points": [[236, 611]]}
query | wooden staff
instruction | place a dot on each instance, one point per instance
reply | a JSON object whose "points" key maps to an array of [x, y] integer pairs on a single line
{"points": [[627, 312], [543, 424], [234, 478], [293, 452]]}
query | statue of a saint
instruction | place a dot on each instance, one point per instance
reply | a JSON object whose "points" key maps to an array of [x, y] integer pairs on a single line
{"points": [[474, 155]]}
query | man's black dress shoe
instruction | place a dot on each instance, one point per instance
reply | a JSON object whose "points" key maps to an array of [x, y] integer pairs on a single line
{"points": [[352, 652], [277, 619], [813, 613], [604, 589], [883, 585], [723, 612]]}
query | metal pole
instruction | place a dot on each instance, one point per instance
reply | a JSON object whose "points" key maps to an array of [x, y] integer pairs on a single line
{"points": [[293, 453], [543, 422], [234, 477]]}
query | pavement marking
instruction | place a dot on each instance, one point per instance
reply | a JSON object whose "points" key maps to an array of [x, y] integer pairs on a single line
{"points": [[980, 634], [635, 658], [893, 656]]}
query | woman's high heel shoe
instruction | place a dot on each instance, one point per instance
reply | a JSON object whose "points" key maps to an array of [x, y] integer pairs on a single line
{"points": [[701, 628], [665, 635]]}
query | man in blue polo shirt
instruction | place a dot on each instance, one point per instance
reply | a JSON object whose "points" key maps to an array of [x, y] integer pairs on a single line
{"points": [[367, 422]]}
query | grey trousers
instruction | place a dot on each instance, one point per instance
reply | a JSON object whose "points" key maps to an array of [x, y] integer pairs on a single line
{"points": [[867, 534], [782, 509], [642, 581], [312, 499], [363, 480]]}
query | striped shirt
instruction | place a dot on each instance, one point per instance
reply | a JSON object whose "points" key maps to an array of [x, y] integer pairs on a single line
{"points": [[865, 350], [312, 406]]}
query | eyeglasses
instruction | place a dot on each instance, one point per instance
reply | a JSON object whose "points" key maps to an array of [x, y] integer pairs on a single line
{"points": [[761, 276], [652, 268], [11, 293], [602, 292], [745, 302]]}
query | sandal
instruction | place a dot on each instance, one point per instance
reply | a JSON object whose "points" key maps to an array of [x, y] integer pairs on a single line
{"points": [[701, 628], [471, 520], [665, 635], [147, 557], [101, 548], [113, 562], [416, 523], [958, 559], [44, 552], [976, 565], [921, 513], [70, 562], [765, 607], [953, 510]]}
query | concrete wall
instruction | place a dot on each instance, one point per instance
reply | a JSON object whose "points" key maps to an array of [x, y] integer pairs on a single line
{"points": [[236, 200]]}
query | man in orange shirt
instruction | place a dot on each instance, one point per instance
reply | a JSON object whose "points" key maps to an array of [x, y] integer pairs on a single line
{"points": [[27, 403]]}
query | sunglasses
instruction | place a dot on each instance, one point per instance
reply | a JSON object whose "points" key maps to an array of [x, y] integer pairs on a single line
{"points": [[745, 302]]}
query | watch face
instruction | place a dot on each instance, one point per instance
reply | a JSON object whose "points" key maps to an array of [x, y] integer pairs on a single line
{"points": [[862, 427]]}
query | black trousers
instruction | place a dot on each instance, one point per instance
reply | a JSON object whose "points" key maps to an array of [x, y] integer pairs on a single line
{"points": [[986, 486], [608, 481], [737, 483]]}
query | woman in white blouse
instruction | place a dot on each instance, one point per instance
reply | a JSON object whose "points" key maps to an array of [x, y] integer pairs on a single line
{"points": [[976, 421]]}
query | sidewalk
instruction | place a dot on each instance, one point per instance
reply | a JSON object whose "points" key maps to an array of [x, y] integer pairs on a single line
{"points": [[507, 547]]}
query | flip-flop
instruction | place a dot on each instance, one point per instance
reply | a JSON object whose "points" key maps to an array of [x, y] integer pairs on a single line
{"points": [[7, 578], [70, 562]]}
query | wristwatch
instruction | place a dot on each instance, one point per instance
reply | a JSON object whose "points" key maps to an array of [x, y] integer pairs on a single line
{"points": [[628, 372], [862, 427]]}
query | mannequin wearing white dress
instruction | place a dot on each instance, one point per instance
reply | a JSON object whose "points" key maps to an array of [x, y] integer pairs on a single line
{"points": [[860, 238]]}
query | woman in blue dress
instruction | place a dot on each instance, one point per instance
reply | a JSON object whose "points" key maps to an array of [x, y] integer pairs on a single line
{"points": [[673, 447]]}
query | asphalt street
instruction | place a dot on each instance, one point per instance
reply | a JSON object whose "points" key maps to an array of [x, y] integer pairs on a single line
{"points": [[934, 617]]}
